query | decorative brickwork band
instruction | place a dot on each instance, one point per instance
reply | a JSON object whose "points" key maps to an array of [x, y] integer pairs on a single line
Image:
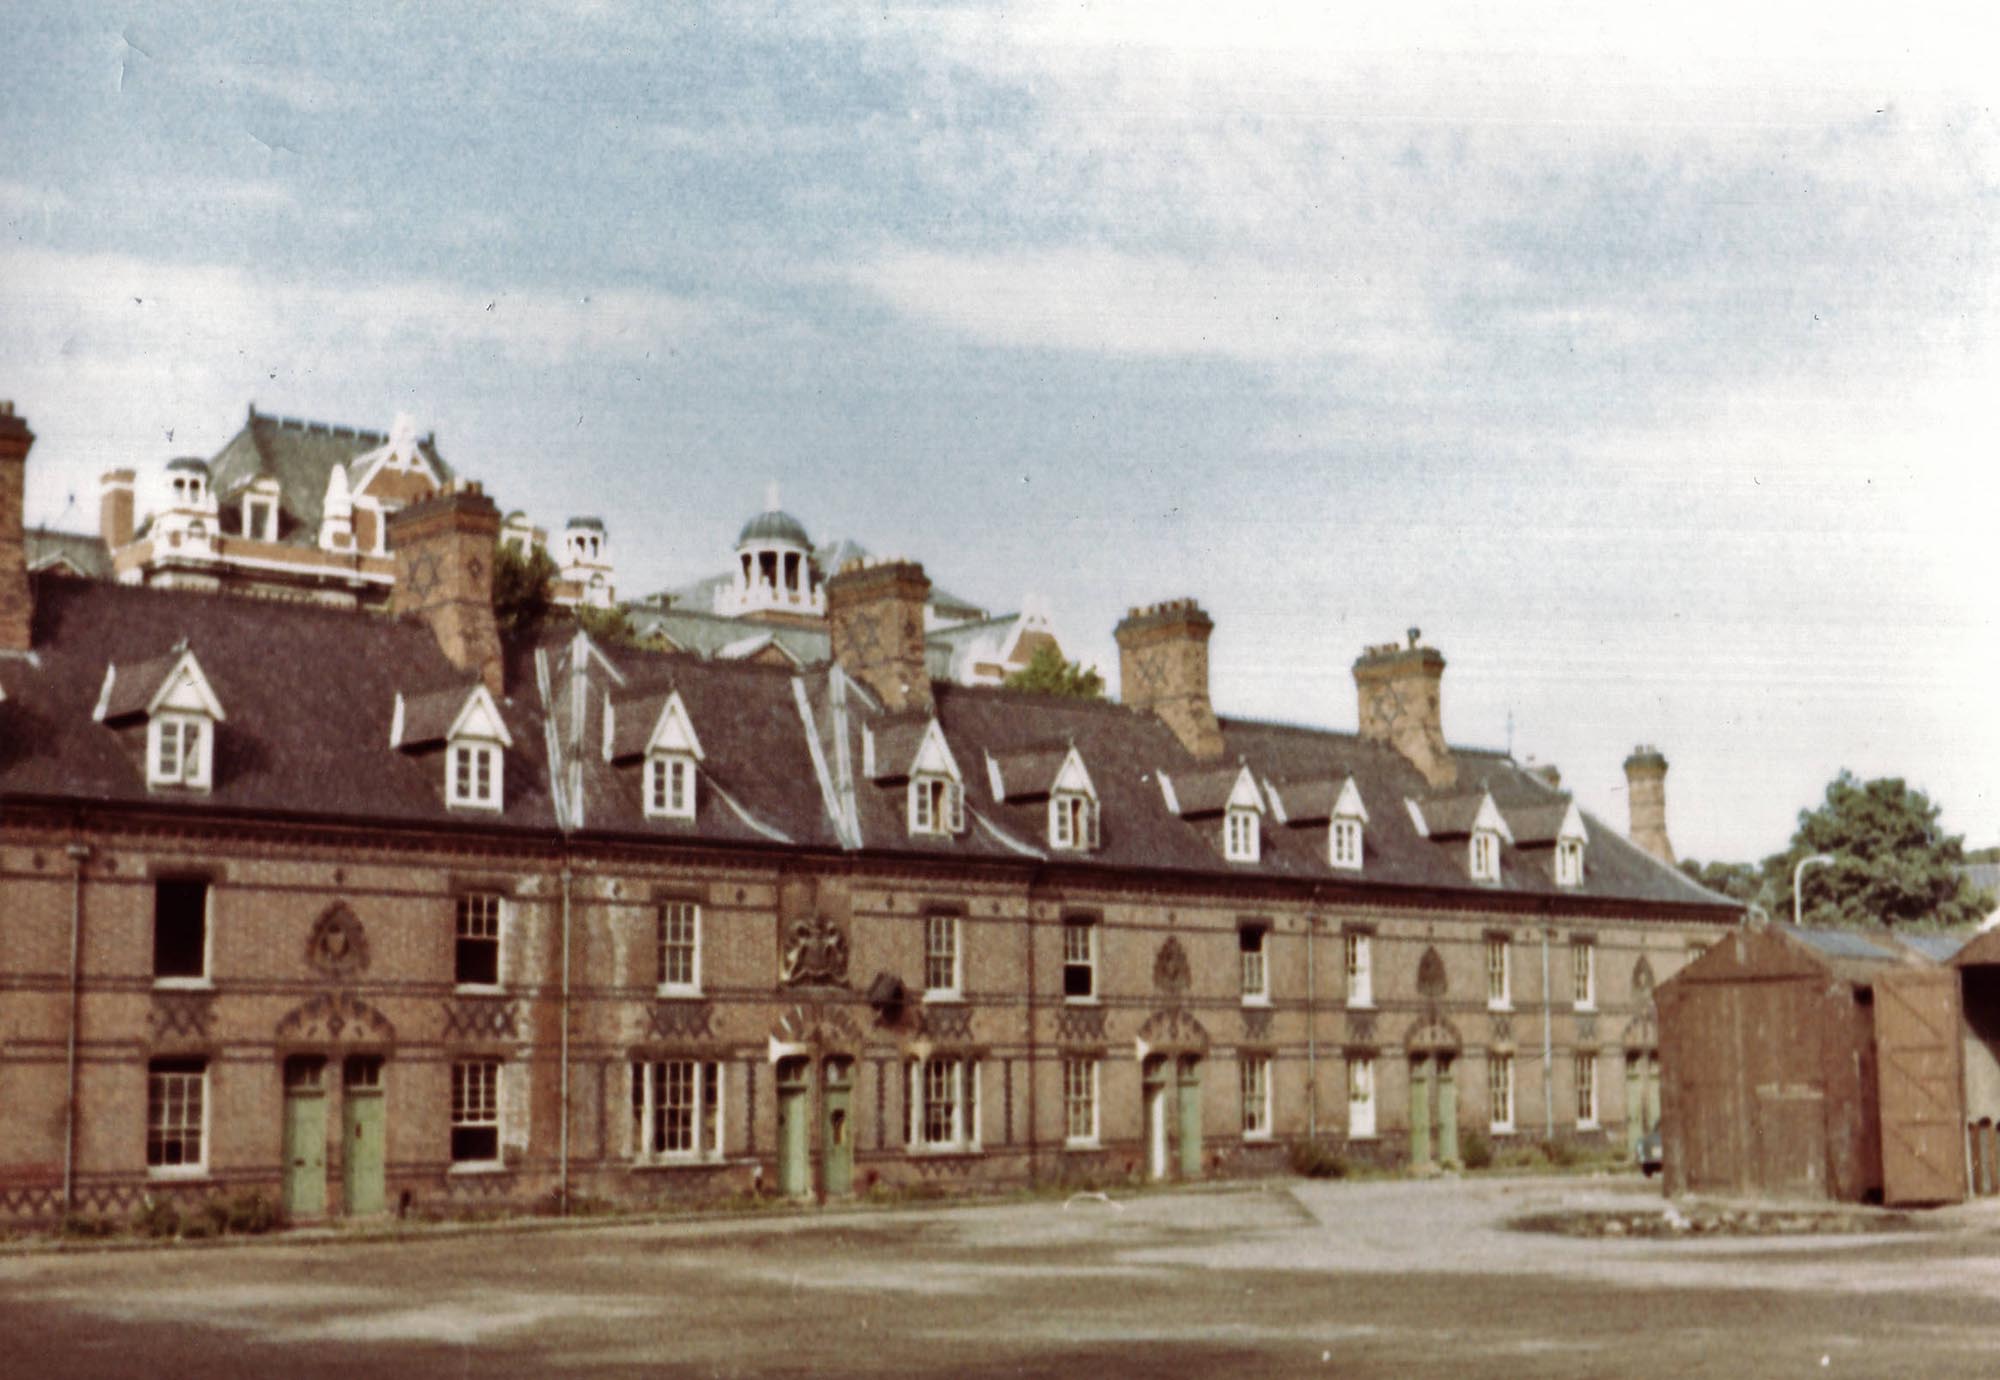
{"points": [[477, 1019], [680, 1020], [1174, 1031], [332, 1017], [181, 1016], [1080, 1025]]}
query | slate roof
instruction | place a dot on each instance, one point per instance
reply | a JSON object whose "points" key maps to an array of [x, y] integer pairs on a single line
{"points": [[135, 683], [1030, 773], [85, 553], [1309, 802], [310, 693], [301, 456], [1536, 826]]}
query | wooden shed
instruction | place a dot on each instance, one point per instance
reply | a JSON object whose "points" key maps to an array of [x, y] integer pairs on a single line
{"points": [[1768, 1064]]}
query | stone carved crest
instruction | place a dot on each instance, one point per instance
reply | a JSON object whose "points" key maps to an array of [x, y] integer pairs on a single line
{"points": [[1171, 974], [815, 953], [1430, 974], [337, 946], [333, 1016], [1174, 1030]]}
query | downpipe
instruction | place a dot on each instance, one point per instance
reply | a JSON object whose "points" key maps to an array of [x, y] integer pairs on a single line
{"points": [[79, 854]]}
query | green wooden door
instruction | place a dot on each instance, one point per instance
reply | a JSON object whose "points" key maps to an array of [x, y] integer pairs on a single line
{"points": [[1420, 1111], [305, 1137], [1447, 1118], [1155, 1071], [794, 1132], [837, 1132], [1190, 1090], [364, 1137]]}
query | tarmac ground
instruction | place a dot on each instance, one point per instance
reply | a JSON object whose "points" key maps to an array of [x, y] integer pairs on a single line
{"points": [[1289, 1278]]}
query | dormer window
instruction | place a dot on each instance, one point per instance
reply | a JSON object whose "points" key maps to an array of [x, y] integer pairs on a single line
{"points": [[260, 511], [1569, 862], [178, 751], [670, 786], [1072, 821], [1344, 845], [1485, 856], [475, 775], [1241, 839], [467, 722], [937, 805], [180, 711]]}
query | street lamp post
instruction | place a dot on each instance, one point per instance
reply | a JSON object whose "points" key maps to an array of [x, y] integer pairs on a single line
{"points": [[1798, 917]]}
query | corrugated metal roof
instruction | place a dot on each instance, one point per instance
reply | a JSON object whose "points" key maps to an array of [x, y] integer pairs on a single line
{"points": [[1842, 944]]}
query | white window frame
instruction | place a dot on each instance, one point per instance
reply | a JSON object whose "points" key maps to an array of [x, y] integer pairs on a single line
{"points": [[1083, 955], [464, 763], [1499, 973], [478, 1107], [1242, 841], [1254, 969], [172, 1090], [670, 785], [1569, 862], [480, 907], [944, 1104], [941, 956], [1072, 821], [1081, 1125], [1344, 845], [1500, 1093], [1360, 962], [1586, 1090], [1361, 1097], [653, 1084], [260, 517], [1255, 1070], [1483, 855], [1583, 973], [671, 912], [936, 805], [167, 733]]}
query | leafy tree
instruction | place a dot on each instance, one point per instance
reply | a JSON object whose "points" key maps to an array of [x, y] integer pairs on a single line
{"points": [[1737, 881], [523, 588], [1048, 674], [1892, 864], [612, 625]]}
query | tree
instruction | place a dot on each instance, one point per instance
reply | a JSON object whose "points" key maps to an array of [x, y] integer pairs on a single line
{"points": [[1737, 881], [1048, 674], [523, 587], [1892, 864]]}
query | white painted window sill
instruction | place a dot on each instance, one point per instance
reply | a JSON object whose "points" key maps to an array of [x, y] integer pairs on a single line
{"points": [[1499, 1130], [1256, 1137], [942, 998], [1361, 1004], [1500, 1006], [1092, 1144], [182, 984], [1363, 1135], [1080, 1001], [686, 1162], [679, 991], [479, 1167], [177, 1173], [1264, 1000], [478, 989], [945, 1151]]}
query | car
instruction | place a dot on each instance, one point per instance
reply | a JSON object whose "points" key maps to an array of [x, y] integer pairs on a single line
{"points": [[1651, 1153]]}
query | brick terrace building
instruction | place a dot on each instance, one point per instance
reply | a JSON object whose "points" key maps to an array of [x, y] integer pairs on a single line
{"points": [[365, 911]]}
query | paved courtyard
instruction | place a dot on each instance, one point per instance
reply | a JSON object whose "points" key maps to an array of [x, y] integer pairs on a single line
{"points": [[1373, 1279]]}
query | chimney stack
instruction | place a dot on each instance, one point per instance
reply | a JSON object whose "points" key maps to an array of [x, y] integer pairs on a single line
{"points": [[17, 601], [1646, 794], [1163, 669], [875, 620], [445, 547], [115, 518], [1401, 704]]}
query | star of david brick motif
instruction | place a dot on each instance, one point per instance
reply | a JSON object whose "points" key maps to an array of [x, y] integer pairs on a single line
{"points": [[480, 1019], [421, 577]]}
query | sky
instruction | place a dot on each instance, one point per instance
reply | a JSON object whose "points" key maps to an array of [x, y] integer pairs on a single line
{"points": [[1646, 358]]}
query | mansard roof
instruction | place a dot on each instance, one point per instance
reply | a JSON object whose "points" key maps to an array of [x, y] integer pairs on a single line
{"points": [[83, 553], [301, 456], [310, 692]]}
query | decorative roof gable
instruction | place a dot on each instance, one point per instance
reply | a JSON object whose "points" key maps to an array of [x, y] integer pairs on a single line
{"points": [[1460, 816], [1199, 793], [1036, 773], [174, 682], [900, 750], [1543, 826], [645, 721], [1316, 802], [442, 715]]}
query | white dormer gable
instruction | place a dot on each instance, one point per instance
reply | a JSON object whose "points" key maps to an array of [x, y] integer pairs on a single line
{"points": [[1242, 837], [1571, 838], [1244, 795], [181, 710], [1489, 830], [480, 718], [936, 793], [186, 691], [673, 731], [1490, 820], [336, 521], [934, 755], [1344, 847], [1073, 805]]}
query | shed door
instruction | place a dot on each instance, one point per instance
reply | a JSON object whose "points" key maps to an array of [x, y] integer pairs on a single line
{"points": [[1917, 1026]]}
